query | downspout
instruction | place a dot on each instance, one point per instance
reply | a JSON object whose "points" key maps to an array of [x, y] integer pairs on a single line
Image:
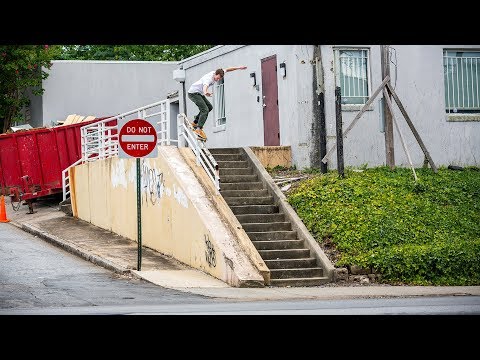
{"points": [[184, 93], [319, 128], [184, 98]]}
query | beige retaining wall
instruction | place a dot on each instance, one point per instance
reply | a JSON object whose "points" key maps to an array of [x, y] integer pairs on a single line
{"points": [[178, 218], [271, 156]]}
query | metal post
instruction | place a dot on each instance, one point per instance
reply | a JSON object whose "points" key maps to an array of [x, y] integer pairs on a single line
{"points": [[319, 128], [338, 113], [184, 98], [323, 132], [139, 216]]}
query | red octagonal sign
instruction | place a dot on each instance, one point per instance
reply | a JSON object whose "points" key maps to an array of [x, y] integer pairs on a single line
{"points": [[138, 138]]}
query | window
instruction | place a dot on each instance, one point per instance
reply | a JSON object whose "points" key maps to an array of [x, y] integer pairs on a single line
{"points": [[219, 102], [461, 73], [352, 75]]}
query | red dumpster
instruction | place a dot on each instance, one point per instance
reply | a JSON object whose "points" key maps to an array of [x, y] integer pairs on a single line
{"points": [[32, 161]]}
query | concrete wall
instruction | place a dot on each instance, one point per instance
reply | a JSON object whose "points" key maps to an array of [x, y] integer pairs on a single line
{"points": [[271, 156], [103, 88], [178, 219], [417, 78], [244, 124], [36, 110]]}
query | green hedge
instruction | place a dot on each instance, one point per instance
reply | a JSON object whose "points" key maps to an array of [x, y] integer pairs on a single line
{"points": [[422, 233]]}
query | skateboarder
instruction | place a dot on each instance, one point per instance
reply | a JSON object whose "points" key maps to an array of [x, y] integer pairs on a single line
{"points": [[198, 92]]}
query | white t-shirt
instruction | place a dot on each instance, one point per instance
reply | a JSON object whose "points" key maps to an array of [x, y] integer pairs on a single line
{"points": [[207, 79]]}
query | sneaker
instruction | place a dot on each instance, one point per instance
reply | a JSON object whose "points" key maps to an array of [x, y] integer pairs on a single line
{"points": [[200, 133], [195, 122]]}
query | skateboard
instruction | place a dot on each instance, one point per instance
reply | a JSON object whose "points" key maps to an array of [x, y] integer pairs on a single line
{"points": [[189, 125]]}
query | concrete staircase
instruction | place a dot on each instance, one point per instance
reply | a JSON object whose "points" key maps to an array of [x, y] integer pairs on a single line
{"points": [[289, 261]]}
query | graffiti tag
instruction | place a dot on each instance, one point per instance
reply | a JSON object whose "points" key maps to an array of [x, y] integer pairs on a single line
{"points": [[210, 253], [153, 183]]}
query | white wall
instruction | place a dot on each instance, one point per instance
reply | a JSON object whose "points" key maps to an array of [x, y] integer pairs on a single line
{"points": [[104, 88], [419, 83], [244, 124], [417, 78]]}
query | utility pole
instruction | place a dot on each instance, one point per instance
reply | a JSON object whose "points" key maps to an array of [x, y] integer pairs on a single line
{"points": [[389, 149], [319, 128]]}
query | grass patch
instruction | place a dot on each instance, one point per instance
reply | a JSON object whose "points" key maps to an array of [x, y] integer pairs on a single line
{"points": [[423, 233]]}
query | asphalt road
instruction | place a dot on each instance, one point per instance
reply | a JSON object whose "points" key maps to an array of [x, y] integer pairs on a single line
{"points": [[37, 275], [38, 278]]}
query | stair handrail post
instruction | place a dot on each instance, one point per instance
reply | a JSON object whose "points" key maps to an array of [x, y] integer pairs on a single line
{"points": [[182, 142]]}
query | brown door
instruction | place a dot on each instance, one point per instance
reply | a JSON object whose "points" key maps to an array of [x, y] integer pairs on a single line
{"points": [[271, 125]]}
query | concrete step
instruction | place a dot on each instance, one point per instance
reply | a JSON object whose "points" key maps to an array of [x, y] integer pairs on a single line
{"points": [[235, 171], [67, 209], [242, 186], [261, 200], [284, 254], [254, 209], [239, 178], [263, 218], [296, 273], [277, 245], [267, 227], [228, 157], [299, 282], [216, 151], [291, 263], [244, 193], [272, 235], [232, 164]]}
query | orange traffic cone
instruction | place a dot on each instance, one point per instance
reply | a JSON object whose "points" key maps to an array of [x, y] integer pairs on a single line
{"points": [[3, 211]]}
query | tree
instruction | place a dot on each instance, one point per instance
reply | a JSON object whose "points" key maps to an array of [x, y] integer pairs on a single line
{"points": [[22, 69], [131, 52]]}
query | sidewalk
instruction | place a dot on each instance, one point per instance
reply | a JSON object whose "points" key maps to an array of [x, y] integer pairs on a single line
{"points": [[120, 255]]}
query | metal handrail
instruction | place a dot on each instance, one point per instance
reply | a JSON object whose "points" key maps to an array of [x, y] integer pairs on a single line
{"points": [[202, 154], [66, 179], [99, 140]]}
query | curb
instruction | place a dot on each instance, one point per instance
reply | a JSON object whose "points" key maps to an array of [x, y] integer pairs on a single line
{"points": [[75, 250]]}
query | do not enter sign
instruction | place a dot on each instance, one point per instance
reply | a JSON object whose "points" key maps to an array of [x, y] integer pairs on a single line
{"points": [[137, 138]]}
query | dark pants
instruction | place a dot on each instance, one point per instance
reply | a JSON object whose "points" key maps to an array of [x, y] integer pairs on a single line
{"points": [[203, 105]]}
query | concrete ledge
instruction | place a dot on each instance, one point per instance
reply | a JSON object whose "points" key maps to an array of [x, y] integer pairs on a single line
{"points": [[297, 224], [271, 156], [85, 254]]}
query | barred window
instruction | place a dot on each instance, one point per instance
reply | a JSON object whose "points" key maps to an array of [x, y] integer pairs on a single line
{"points": [[461, 78], [219, 102], [352, 71]]}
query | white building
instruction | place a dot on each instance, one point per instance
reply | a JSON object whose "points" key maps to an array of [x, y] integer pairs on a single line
{"points": [[438, 86], [275, 100]]}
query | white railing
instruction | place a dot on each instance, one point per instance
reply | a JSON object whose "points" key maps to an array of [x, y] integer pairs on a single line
{"points": [[203, 156], [99, 140], [461, 83], [66, 179]]}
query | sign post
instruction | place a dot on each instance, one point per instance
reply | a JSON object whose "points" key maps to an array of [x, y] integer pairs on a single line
{"points": [[138, 139]]}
